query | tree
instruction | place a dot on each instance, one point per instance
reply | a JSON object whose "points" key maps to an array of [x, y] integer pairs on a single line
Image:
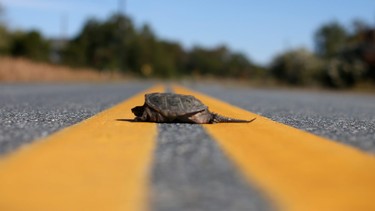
{"points": [[4, 34], [330, 39], [30, 45], [297, 67], [344, 71], [349, 54], [208, 61], [239, 66], [115, 44], [101, 45]]}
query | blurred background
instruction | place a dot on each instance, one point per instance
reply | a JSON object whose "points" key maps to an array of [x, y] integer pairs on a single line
{"points": [[269, 43]]}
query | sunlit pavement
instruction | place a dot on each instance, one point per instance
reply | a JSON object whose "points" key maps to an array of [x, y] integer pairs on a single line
{"points": [[187, 168]]}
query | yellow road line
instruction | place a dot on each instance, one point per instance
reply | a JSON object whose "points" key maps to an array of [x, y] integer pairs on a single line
{"points": [[98, 164], [298, 170]]}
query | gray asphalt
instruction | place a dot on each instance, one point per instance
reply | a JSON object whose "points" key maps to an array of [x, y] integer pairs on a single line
{"points": [[347, 118], [29, 112], [189, 172]]}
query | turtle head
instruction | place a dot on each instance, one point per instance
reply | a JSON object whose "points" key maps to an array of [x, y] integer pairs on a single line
{"points": [[138, 110]]}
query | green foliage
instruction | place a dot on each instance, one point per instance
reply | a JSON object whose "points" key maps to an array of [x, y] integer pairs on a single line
{"points": [[219, 61], [150, 57], [4, 35], [343, 57], [340, 60], [349, 56], [297, 67], [330, 39], [207, 62], [239, 66], [100, 45], [4, 40], [344, 72], [115, 44], [30, 45]]}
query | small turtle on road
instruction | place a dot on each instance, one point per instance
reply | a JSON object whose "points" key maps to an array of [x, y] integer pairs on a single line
{"points": [[170, 107]]}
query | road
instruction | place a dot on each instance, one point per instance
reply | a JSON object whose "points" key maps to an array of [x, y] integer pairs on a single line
{"points": [[347, 118], [188, 174], [29, 112]]}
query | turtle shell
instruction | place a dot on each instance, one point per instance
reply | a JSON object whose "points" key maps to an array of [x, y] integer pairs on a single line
{"points": [[173, 105]]}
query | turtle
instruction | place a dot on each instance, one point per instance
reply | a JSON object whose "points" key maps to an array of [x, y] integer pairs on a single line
{"points": [[177, 108]]}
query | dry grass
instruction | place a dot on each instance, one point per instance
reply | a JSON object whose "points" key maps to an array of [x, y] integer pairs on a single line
{"points": [[23, 70]]}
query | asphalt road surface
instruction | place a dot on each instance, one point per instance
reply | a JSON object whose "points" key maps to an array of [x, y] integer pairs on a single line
{"points": [[347, 118], [29, 112], [189, 170]]}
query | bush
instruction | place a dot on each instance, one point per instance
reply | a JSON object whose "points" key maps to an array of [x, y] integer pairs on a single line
{"points": [[297, 67], [344, 70]]}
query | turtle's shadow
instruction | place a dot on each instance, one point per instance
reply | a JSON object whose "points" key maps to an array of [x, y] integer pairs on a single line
{"points": [[132, 120], [175, 122], [126, 120]]}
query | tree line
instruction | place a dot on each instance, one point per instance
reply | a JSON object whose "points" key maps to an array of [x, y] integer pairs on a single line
{"points": [[117, 45], [342, 57]]}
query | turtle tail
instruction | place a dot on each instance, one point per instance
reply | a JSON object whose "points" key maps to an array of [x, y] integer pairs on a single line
{"points": [[217, 118]]}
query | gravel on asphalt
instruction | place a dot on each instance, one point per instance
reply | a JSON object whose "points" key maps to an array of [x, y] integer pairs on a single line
{"points": [[348, 118], [31, 111], [190, 172]]}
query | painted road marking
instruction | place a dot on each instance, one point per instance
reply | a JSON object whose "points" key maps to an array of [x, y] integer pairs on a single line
{"points": [[299, 171], [98, 164], [191, 172]]}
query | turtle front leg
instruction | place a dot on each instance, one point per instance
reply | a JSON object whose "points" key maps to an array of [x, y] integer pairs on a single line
{"points": [[143, 118], [150, 115]]}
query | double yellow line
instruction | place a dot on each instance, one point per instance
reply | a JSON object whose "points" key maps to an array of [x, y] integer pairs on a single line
{"points": [[103, 163], [298, 170]]}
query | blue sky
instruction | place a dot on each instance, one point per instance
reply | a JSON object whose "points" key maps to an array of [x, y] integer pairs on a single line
{"points": [[260, 29]]}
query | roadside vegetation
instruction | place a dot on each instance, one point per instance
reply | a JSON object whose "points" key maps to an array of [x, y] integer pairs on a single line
{"points": [[26, 70], [344, 57]]}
